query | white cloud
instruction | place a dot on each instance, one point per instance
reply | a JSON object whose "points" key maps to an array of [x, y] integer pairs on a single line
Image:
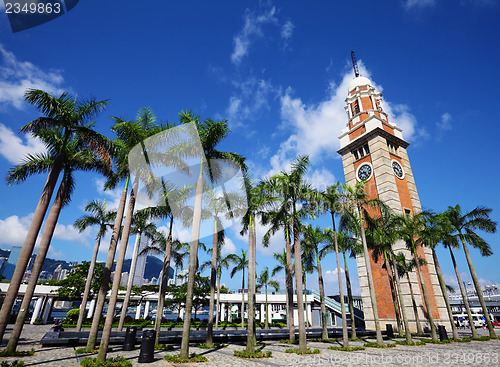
{"points": [[418, 3], [287, 32], [13, 230], [228, 248], [70, 233], [252, 28], [445, 123], [14, 149], [320, 179], [17, 76], [316, 127], [332, 276]]}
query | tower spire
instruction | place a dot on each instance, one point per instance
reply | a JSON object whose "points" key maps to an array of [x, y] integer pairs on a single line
{"points": [[354, 64]]}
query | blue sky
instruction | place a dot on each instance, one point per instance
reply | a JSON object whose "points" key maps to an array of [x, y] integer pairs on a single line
{"points": [[278, 71]]}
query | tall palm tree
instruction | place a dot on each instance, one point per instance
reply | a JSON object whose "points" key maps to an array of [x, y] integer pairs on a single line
{"points": [[103, 218], [382, 236], [331, 202], [77, 158], [222, 262], [404, 267], [265, 281], [409, 229], [212, 162], [354, 247], [356, 199], [131, 139], [466, 227], [140, 226], [437, 230], [313, 238], [282, 258], [70, 117], [308, 267], [241, 263], [292, 190], [278, 218]]}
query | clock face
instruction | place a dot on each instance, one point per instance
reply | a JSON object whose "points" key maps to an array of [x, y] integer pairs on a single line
{"points": [[398, 170], [364, 172]]}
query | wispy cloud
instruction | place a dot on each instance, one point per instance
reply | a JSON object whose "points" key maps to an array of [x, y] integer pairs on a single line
{"points": [[445, 123], [17, 76], [412, 4]]}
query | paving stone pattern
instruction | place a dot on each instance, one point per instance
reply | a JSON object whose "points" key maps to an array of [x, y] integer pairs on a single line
{"points": [[476, 353]]}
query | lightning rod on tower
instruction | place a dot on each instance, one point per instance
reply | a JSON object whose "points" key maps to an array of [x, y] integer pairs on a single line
{"points": [[354, 64]]}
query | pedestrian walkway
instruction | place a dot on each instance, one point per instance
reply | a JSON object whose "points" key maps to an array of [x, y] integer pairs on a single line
{"points": [[475, 353]]}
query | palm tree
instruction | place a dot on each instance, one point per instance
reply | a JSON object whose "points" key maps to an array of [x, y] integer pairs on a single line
{"points": [[131, 140], [212, 161], [282, 258], [99, 216], [313, 238], [466, 226], [404, 267], [279, 218], [222, 262], [308, 267], [265, 281], [76, 158], [382, 236], [292, 190], [68, 117], [241, 263], [409, 229], [353, 246], [437, 230], [355, 199], [331, 200], [140, 225]]}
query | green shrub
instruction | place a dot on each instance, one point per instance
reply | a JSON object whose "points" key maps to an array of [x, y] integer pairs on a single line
{"points": [[18, 353], [12, 364], [250, 355], [308, 351], [287, 341], [482, 338], [375, 345], [90, 351], [346, 349], [214, 346], [192, 358], [166, 347], [73, 314], [109, 362]]}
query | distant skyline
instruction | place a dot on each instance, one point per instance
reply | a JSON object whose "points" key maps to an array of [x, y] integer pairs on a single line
{"points": [[278, 72]]}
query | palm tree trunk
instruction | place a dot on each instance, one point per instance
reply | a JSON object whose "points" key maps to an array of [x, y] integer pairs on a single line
{"points": [[130, 283], [415, 310], [479, 292], [193, 259], [445, 295], [350, 299], [393, 294], [305, 300], [324, 330], [29, 244], [243, 300], [266, 322], [163, 283], [345, 335], [218, 299], [106, 331], [402, 303], [298, 285], [106, 276], [424, 294], [213, 275], [289, 288], [464, 295], [88, 283], [371, 286], [251, 334], [37, 268]]}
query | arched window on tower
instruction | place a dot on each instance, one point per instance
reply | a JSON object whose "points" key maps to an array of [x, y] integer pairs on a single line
{"points": [[355, 108]]}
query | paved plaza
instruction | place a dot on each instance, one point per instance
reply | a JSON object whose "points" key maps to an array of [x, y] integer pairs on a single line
{"points": [[475, 353]]}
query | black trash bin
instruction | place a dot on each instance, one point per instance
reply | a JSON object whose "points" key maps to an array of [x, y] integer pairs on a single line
{"points": [[129, 343], [147, 347], [443, 335], [390, 332]]}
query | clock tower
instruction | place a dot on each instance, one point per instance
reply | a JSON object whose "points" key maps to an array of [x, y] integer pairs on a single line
{"points": [[373, 149]]}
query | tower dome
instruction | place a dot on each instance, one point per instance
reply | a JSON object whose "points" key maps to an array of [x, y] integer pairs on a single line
{"points": [[358, 82]]}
